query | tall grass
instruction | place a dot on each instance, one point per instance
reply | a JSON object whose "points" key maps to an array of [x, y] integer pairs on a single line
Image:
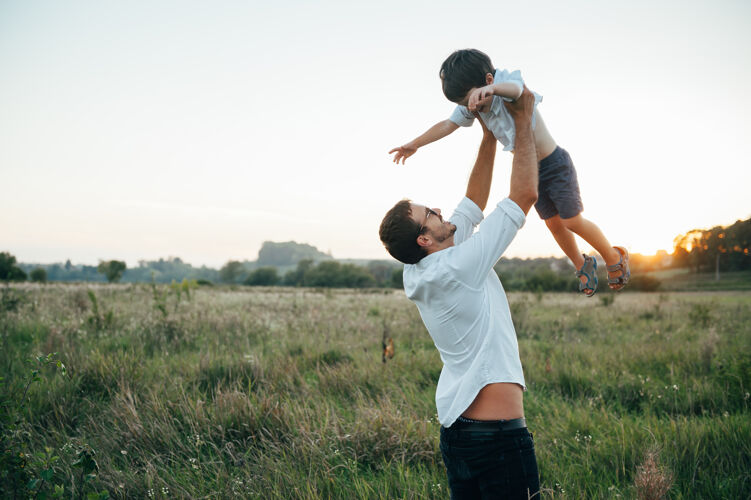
{"points": [[282, 393]]}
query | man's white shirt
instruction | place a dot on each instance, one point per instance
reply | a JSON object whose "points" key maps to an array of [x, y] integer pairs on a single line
{"points": [[465, 309]]}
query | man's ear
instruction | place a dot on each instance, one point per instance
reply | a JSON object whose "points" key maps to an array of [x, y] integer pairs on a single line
{"points": [[424, 241], [488, 78]]}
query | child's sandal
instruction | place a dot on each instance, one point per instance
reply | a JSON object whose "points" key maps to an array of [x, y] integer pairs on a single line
{"points": [[589, 271], [620, 281]]}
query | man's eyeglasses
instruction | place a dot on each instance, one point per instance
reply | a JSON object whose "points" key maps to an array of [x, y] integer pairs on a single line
{"points": [[428, 213]]}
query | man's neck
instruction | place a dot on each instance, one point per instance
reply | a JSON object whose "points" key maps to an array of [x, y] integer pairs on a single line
{"points": [[437, 247]]}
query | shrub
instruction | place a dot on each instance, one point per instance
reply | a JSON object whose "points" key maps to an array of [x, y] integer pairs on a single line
{"points": [[9, 271], [607, 299], [397, 278], [232, 272], [38, 275], [643, 283], [263, 276], [700, 314], [334, 274], [112, 269]]}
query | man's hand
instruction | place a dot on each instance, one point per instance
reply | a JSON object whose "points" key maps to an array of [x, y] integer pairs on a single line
{"points": [[478, 96], [521, 109], [403, 152]]}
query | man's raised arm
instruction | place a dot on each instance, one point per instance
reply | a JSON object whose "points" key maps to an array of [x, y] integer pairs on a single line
{"points": [[524, 168], [478, 187]]}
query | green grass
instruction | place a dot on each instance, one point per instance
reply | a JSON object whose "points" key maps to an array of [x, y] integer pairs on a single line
{"points": [[685, 280], [281, 393]]}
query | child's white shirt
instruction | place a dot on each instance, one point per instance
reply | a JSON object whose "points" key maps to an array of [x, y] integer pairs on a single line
{"points": [[497, 118]]}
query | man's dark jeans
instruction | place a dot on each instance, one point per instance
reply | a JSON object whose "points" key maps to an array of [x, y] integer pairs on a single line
{"points": [[489, 462]]}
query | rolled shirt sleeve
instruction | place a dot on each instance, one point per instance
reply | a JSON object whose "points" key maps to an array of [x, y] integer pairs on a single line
{"points": [[466, 217], [513, 77], [475, 257]]}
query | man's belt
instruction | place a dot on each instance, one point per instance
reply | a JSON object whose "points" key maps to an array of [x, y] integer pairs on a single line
{"points": [[465, 424]]}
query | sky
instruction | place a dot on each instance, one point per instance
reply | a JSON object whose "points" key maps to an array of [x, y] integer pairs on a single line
{"points": [[139, 130]]}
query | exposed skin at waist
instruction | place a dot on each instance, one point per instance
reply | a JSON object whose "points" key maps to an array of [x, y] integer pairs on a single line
{"points": [[500, 401], [544, 142]]}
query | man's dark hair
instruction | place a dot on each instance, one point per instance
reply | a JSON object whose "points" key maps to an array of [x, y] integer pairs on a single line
{"points": [[463, 70], [399, 234]]}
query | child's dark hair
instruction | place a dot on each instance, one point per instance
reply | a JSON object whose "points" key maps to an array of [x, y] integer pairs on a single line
{"points": [[463, 70]]}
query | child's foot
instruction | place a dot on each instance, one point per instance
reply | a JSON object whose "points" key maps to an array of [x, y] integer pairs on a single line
{"points": [[587, 275], [619, 273]]}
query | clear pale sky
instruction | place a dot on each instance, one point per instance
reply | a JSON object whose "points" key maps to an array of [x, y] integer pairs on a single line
{"points": [[139, 130]]}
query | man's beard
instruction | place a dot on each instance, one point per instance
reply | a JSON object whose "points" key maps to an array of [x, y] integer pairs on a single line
{"points": [[445, 234]]}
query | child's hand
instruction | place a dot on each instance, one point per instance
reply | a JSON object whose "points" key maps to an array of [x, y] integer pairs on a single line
{"points": [[480, 97], [403, 152]]}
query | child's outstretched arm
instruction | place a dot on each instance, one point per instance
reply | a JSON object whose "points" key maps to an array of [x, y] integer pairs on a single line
{"points": [[437, 131]]}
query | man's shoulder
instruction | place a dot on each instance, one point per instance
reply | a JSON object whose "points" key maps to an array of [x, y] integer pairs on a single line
{"points": [[441, 268], [432, 268]]}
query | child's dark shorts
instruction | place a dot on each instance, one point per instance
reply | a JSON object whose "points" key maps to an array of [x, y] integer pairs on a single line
{"points": [[558, 189]]}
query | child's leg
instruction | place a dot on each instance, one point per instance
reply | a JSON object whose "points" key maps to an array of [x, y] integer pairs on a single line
{"points": [[592, 234], [562, 189], [566, 240]]}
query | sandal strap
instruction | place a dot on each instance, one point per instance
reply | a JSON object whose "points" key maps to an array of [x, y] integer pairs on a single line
{"points": [[622, 267], [589, 271]]}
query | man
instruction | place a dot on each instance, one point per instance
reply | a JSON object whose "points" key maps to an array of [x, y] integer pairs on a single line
{"points": [[486, 447]]}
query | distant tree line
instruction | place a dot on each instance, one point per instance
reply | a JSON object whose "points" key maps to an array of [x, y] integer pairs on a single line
{"points": [[161, 271], [541, 274], [544, 274], [717, 249], [296, 264], [328, 273]]}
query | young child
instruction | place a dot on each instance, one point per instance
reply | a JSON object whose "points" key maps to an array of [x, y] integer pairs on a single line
{"points": [[469, 79]]}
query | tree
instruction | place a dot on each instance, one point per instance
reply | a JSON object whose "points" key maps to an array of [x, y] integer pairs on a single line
{"points": [[9, 271], [112, 269], [38, 275], [397, 278], [382, 270], [296, 276], [263, 276], [719, 248], [232, 272], [334, 274]]}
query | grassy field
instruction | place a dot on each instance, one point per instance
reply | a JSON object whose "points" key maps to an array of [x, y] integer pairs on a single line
{"points": [[685, 280], [281, 393]]}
